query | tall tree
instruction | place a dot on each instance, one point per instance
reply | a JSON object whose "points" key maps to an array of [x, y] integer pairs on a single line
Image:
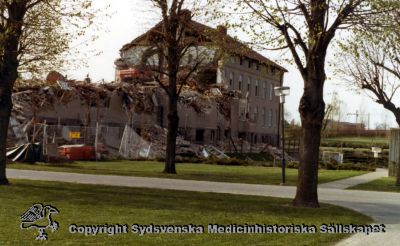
{"points": [[306, 29], [372, 64], [32, 35], [178, 60]]}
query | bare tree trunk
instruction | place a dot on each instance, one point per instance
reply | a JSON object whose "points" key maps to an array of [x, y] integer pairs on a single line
{"points": [[173, 118], [5, 112], [8, 75], [173, 124], [312, 110]]}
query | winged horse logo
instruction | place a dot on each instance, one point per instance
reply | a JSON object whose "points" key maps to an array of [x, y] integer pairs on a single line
{"points": [[39, 216]]}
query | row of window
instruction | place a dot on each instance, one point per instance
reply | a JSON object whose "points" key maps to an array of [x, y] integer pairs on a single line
{"points": [[247, 87], [251, 63], [255, 138], [268, 117]]}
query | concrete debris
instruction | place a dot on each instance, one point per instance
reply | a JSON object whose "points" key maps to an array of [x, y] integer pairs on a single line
{"points": [[277, 154], [38, 97], [35, 96], [131, 104], [213, 151], [152, 144]]}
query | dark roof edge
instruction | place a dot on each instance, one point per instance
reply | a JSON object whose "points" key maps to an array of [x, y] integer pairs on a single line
{"points": [[263, 60]]}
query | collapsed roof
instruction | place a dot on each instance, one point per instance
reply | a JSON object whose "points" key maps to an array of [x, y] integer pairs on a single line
{"points": [[207, 35], [138, 98]]}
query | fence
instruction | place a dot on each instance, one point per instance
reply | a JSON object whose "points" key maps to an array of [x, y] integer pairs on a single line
{"points": [[107, 140], [121, 141]]}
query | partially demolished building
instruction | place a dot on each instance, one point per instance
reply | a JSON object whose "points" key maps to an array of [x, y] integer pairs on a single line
{"points": [[249, 77], [230, 104], [122, 118]]}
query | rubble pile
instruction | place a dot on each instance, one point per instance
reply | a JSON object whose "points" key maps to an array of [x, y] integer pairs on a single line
{"points": [[157, 136], [224, 103], [200, 103], [277, 153], [203, 101], [32, 97], [93, 94], [136, 97]]}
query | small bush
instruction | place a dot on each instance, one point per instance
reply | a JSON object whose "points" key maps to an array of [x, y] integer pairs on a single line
{"points": [[355, 145], [347, 166], [252, 156], [184, 159], [227, 162], [294, 165]]}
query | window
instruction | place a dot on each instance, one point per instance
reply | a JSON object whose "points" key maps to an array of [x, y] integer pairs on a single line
{"points": [[256, 89], [258, 66], [241, 60], [240, 82], [256, 114], [231, 84], [265, 90], [249, 64], [200, 135], [212, 135], [264, 116], [270, 118], [271, 91], [227, 133], [242, 113], [248, 85]]}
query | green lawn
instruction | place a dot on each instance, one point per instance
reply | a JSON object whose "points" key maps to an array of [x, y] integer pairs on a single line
{"points": [[99, 205], [235, 174], [382, 184]]}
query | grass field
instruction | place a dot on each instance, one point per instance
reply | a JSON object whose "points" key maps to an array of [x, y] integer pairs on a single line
{"points": [[235, 174], [99, 205], [382, 184]]}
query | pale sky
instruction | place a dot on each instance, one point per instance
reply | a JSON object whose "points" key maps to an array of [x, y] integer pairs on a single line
{"points": [[130, 18]]}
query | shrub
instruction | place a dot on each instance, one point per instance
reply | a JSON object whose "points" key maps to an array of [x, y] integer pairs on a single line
{"points": [[227, 162], [252, 156], [344, 144], [347, 166], [294, 165], [184, 159]]}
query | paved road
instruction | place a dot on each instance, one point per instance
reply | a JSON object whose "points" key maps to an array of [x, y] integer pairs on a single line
{"points": [[384, 207], [347, 183]]}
